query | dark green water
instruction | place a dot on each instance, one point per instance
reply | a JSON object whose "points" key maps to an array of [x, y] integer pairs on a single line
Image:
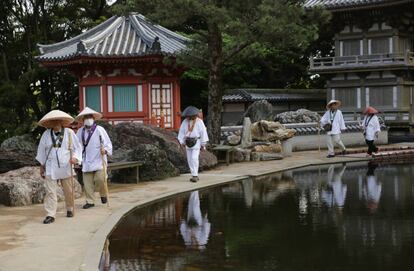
{"points": [[328, 218]]}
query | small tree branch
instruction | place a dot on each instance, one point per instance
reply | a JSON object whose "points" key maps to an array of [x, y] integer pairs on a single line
{"points": [[237, 50]]}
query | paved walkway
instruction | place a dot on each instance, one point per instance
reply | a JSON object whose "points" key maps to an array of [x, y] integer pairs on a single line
{"points": [[76, 243]]}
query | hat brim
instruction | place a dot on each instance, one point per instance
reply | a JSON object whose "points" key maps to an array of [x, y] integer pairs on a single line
{"points": [[49, 123], [370, 110], [333, 102], [96, 116], [190, 111]]}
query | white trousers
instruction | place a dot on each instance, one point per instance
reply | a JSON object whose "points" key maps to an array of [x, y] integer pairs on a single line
{"points": [[193, 160], [50, 201], [332, 140]]}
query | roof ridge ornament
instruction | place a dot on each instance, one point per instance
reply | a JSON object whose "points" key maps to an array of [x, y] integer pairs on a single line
{"points": [[81, 48], [156, 45]]}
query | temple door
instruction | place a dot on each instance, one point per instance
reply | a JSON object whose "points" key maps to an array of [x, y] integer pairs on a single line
{"points": [[162, 103]]}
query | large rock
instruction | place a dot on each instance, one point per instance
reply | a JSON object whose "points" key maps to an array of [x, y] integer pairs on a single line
{"points": [[24, 186], [257, 111], [155, 162], [128, 138], [270, 148], [270, 131], [11, 160], [24, 143], [298, 116], [17, 152], [233, 140]]}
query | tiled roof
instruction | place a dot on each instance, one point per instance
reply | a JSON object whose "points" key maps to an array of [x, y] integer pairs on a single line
{"points": [[119, 36], [336, 4], [273, 95]]}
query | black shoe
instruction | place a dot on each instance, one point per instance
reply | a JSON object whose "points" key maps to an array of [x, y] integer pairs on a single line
{"points": [[344, 152], [194, 179], [104, 200], [49, 220], [88, 205], [69, 214], [330, 156]]}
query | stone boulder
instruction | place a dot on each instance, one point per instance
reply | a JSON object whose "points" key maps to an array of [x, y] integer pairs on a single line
{"points": [[17, 152], [129, 139], [298, 116], [269, 148], [233, 140], [24, 186], [257, 111], [270, 131], [156, 164]]}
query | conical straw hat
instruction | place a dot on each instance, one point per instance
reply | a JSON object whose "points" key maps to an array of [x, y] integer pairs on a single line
{"points": [[88, 111], [370, 110], [190, 111], [55, 115], [333, 102]]}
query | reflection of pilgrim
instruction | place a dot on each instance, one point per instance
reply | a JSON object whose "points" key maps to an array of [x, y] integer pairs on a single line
{"points": [[196, 229], [248, 192], [372, 189], [336, 193]]}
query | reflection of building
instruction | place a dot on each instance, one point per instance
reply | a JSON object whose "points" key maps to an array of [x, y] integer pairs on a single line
{"points": [[374, 61], [121, 71], [236, 101]]}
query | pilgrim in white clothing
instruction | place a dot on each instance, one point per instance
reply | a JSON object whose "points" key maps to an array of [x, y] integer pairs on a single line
{"points": [[96, 146], [53, 154], [196, 229], [193, 129], [371, 127], [334, 123]]}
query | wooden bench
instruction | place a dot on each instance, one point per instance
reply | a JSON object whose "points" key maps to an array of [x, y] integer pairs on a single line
{"points": [[228, 152], [124, 165]]}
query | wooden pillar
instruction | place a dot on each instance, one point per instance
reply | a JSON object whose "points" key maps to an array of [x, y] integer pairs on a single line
{"points": [[177, 104], [81, 97]]}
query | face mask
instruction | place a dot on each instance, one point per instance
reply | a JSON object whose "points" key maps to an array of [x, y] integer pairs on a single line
{"points": [[88, 122]]}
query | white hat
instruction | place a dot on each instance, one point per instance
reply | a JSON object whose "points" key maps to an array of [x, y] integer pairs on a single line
{"points": [[55, 115], [88, 111], [333, 102]]}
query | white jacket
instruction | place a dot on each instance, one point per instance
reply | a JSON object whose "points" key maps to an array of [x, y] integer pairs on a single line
{"points": [[199, 132], [338, 122], [371, 128], [92, 160], [57, 160]]}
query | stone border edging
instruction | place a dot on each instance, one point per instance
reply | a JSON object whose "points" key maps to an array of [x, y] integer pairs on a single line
{"points": [[96, 245]]}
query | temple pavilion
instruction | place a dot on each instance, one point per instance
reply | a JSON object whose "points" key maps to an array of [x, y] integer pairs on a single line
{"points": [[122, 69], [373, 62]]}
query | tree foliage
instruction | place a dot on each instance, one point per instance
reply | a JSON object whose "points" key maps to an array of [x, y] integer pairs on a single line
{"points": [[28, 91], [238, 42]]}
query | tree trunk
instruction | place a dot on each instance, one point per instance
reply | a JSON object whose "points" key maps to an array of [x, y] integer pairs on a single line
{"points": [[215, 91], [5, 67]]}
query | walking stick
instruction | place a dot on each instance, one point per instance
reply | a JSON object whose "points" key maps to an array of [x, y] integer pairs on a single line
{"points": [[104, 167], [319, 136], [72, 181]]}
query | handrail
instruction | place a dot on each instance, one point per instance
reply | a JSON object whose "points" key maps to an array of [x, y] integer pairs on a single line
{"points": [[406, 58]]}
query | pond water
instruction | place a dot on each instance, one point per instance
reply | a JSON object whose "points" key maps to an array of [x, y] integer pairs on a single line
{"points": [[338, 217]]}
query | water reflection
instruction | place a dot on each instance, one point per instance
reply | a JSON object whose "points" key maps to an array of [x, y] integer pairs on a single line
{"points": [[196, 228], [336, 217], [335, 192], [372, 189]]}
